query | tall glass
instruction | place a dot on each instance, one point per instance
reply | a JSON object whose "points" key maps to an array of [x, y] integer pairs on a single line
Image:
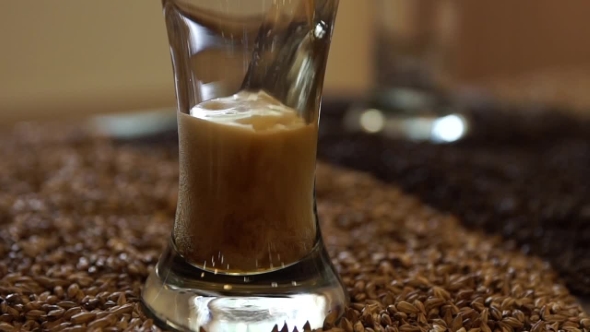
{"points": [[246, 251], [413, 62]]}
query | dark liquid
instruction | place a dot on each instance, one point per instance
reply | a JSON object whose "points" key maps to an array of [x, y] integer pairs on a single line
{"points": [[245, 201]]}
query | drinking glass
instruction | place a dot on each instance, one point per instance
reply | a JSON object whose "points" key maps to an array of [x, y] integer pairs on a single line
{"points": [[413, 61], [442, 66], [246, 252], [413, 45]]}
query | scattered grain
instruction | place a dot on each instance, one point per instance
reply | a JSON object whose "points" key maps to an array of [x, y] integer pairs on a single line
{"points": [[76, 252]]}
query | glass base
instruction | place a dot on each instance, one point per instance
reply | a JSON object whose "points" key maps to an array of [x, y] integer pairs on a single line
{"points": [[182, 297], [410, 114]]}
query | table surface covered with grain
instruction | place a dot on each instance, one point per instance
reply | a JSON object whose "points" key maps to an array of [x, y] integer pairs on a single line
{"points": [[84, 218]]}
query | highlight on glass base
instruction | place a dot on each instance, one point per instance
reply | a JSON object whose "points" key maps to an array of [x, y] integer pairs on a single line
{"points": [[246, 251], [303, 293]]}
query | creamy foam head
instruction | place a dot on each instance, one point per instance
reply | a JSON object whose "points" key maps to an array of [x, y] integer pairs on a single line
{"points": [[246, 184], [256, 111]]}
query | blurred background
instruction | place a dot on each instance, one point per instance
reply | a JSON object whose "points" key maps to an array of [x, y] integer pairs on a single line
{"points": [[73, 58]]}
